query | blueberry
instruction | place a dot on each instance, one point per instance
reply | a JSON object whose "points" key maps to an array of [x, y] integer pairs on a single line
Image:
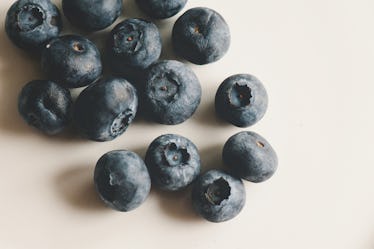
{"points": [[31, 23], [92, 15], [122, 180], [201, 36], [161, 9], [250, 156], [105, 109], [172, 92], [133, 44], [72, 60], [45, 105], [218, 196], [173, 162], [241, 100]]}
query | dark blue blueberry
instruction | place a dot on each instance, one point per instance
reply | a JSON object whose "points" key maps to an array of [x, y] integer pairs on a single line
{"points": [[133, 44], [241, 100], [31, 23], [201, 36], [72, 60], [161, 9], [173, 162], [105, 109], [92, 15], [218, 196], [250, 156], [45, 105], [122, 180], [172, 92]]}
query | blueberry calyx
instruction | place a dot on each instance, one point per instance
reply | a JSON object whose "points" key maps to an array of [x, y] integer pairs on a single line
{"points": [[78, 47], [166, 87], [175, 156], [240, 95], [218, 191], [30, 17], [121, 122]]}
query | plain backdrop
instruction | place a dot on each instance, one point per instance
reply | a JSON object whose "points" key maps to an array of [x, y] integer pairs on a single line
{"points": [[316, 61]]}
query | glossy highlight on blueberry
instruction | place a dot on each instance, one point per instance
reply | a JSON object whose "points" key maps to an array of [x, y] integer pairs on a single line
{"points": [[250, 156], [173, 162], [161, 9], [46, 106], [122, 180], [172, 92], [241, 100], [105, 109], [92, 15], [29, 24], [72, 60], [218, 196], [201, 36]]}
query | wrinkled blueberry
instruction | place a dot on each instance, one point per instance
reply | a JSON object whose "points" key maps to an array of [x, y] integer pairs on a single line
{"points": [[92, 15], [201, 36], [45, 105], [172, 92], [218, 196], [72, 60], [105, 109], [122, 180], [161, 9], [241, 100], [133, 44], [250, 156], [31, 23], [173, 162]]}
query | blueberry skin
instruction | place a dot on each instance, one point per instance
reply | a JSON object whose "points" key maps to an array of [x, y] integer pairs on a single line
{"points": [[122, 180], [201, 36], [29, 24], [105, 109], [172, 92], [218, 196], [250, 156], [241, 100], [92, 15], [71, 60], [161, 9], [133, 44], [46, 106], [173, 162]]}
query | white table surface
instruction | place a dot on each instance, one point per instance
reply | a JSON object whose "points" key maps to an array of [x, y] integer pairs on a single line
{"points": [[316, 61]]}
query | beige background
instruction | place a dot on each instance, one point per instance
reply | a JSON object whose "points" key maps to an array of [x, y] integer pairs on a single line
{"points": [[315, 59]]}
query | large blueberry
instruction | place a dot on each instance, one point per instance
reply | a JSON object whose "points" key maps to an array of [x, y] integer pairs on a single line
{"points": [[45, 105], [133, 44], [72, 60], [92, 15], [122, 180], [201, 36], [31, 23], [241, 100], [105, 109], [172, 92], [218, 196], [161, 9], [173, 162], [250, 156]]}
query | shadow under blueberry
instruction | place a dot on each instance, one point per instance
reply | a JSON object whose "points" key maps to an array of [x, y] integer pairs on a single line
{"points": [[17, 67], [211, 157], [177, 204], [206, 115], [75, 185]]}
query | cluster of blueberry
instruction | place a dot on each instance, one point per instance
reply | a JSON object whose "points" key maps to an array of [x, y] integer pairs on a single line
{"points": [[169, 93]]}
